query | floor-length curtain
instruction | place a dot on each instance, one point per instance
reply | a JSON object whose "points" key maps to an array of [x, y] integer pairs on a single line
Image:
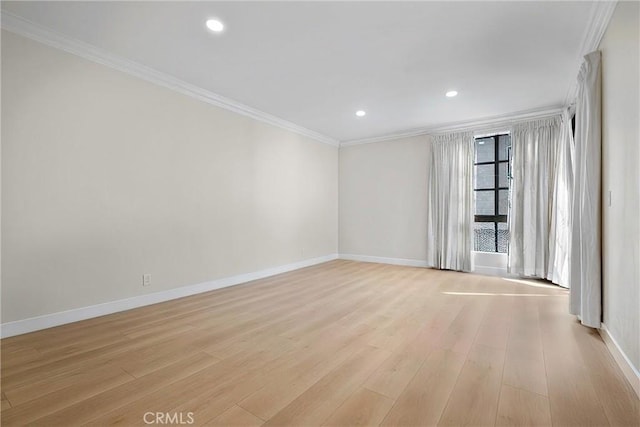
{"points": [[585, 273], [450, 201], [540, 204], [561, 205]]}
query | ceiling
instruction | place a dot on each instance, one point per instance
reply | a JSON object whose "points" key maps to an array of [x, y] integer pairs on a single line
{"points": [[315, 63]]}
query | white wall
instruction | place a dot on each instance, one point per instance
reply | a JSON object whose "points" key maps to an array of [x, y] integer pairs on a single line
{"points": [[621, 159], [383, 205], [106, 177], [383, 200]]}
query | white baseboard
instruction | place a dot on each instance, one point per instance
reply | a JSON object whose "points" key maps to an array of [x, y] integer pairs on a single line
{"points": [[384, 260], [490, 271], [478, 269], [629, 371], [489, 263], [19, 327]]}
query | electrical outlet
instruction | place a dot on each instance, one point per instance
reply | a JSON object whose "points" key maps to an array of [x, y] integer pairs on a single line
{"points": [[146, 280]]}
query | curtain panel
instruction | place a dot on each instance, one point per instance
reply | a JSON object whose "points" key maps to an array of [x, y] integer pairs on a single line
{"points": [[586, 261], [539, 219], [450, 201]]}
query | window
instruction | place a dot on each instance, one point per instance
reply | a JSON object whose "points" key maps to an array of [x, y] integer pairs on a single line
{"points": [[492, 174]]}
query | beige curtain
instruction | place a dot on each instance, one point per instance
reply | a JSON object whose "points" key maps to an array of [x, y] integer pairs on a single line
{"points": [[539, 226], [450, 201], [584, 279]]}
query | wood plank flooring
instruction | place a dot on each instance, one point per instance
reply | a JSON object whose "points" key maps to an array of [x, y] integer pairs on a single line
{"points": [[338, 344]]}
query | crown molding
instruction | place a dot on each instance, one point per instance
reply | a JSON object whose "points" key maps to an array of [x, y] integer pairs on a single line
{"points": [[26, 28], [599, 17], [485, 124]]}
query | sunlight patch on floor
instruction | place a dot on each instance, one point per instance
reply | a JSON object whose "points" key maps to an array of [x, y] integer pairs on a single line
{"points": [[535, 284], [501, 294]]}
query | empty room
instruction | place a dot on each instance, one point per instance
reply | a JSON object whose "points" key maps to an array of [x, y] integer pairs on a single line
{"points": [[320, 213]]}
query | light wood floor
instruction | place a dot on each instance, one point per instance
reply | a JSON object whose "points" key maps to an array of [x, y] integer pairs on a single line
{"points": [[342, 343]]}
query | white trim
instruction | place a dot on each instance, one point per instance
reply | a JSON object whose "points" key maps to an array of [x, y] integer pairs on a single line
{"points": [[485, 124], [23, 27], [630, 372], [489, 263], [601, 13], [19, 327], [477, 269], [599, 17], [384, 260], [490, 271]]}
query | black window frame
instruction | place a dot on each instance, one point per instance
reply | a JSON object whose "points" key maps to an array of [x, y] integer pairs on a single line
{"points": [[496, 218]]}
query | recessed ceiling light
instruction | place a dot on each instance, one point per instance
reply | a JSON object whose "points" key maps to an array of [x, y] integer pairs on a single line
{"points": [[451, 93], [215, 25], [361, 113]]}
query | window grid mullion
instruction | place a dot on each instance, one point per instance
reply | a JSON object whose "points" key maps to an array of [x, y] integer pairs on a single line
{"points": [[496, 200], [496, 218]]}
